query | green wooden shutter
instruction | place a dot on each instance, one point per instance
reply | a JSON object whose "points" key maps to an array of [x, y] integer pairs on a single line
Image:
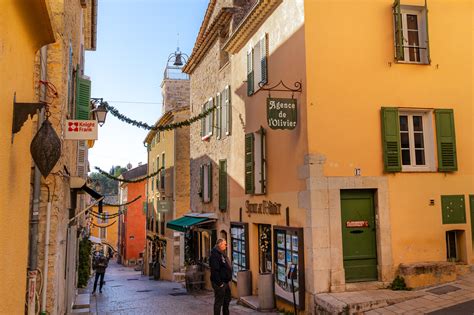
{"points": [[209, 181], [201, 181], [471, 206], [250, 78], [223, 185], [263, 157], [249, 164], [145, 207], [83, 97], [391, 139], [264, 59], [397, 19], [446, 140]]}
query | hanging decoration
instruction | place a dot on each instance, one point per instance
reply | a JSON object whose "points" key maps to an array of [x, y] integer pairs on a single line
{"points": [[103, 226], [105, 217], [146, 126], [45, 147], [123, 204], [123, 180]]}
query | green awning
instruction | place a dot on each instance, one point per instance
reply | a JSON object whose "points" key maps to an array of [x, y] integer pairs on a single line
{"points": [[184, 223]]}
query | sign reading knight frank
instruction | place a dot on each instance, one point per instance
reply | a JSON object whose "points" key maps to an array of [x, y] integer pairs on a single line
{"points": [[81, 130], [281, 113]]}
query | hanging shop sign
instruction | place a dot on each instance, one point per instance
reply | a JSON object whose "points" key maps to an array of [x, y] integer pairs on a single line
{"points": [[81, 130], [281, 113], [164, 206], [266, 207]]}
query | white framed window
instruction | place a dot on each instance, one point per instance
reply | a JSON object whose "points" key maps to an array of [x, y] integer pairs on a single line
{"points": [[257, 65], [208, 121], [226, 111], [411, 34], [205, 189], [223, 113], [219, 115], [416, 140]]}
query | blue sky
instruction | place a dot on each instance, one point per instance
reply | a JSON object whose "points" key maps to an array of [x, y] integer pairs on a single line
{"points": [[135, 38]]}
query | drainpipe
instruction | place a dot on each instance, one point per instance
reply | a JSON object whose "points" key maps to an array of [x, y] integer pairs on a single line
{"points": [[46, 255], [34, 214]]}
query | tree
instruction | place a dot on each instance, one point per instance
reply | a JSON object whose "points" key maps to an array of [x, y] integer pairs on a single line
{"points": [[105, 185]]}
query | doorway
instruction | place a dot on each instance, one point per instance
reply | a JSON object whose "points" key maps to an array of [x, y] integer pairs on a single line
{"points": [[359, 238]]}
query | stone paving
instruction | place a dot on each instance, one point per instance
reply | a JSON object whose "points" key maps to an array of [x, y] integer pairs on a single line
{"points": [[128, 292], [459, 302]]}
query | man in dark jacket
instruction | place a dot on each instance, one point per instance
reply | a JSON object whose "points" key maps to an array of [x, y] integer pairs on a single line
{"points": [[99, 264], [221, 274]]}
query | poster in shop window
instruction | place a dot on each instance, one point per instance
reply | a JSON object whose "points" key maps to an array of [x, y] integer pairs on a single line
{"points": [[289, 250]]}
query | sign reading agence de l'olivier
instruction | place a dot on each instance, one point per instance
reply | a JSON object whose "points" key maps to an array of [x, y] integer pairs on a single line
{"points": [[281, 113]]}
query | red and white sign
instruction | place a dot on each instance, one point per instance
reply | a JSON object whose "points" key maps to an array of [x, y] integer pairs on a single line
{"points": [[357, 224], [81, 130]]}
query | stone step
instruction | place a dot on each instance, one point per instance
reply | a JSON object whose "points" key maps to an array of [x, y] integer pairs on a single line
{"points": [[81, 311], [250, 301], [361, 301], [82, 301]]}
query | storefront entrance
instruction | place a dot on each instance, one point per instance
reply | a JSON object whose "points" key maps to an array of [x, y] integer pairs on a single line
{"points": [[359, 235]]}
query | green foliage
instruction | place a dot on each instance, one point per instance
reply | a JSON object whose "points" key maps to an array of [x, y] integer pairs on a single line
{"points": [[85, 250], [398, 284], [105, 185]]}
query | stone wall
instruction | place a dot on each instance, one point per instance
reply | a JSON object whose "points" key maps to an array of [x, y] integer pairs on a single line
{"points": [[207, 80], [175, 94], [66, 19]]}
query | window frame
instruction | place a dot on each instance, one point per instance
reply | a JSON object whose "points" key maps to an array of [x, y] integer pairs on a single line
{"points": [[428, 139], [402, 11], [208, 121], [206, 182]]}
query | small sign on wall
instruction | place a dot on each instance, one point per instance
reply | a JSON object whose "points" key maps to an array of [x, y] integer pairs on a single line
{"points": [[81, 130], [357, 224], [281, 113]]}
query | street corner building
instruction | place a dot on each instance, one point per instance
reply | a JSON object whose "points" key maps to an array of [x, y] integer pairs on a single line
{"points": [[336, 146], [42, 172]]}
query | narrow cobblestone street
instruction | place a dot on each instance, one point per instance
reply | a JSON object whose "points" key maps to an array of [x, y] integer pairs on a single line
{"points": [[129, 292]]}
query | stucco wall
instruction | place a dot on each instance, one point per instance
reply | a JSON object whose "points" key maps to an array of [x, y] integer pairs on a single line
{"points": [[20, 41], [135, 222], [345, 110]]}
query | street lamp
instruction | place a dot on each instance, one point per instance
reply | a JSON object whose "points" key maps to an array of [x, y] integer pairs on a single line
{"points": [[99, 111]]}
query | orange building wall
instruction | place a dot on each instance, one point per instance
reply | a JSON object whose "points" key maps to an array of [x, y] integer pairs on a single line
{"points": [[135, 222]]}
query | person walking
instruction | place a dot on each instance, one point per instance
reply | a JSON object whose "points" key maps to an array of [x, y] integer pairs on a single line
{"points": [[99, 264], [221, 274]]}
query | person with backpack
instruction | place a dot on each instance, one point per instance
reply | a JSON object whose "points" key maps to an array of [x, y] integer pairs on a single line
{"points": [[99, 264]]}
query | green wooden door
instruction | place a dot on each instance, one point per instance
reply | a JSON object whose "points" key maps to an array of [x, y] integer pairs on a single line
{"points": [[358, 235]]}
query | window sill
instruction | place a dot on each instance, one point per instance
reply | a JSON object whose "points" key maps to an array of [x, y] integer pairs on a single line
{"points": [[413, 63], [415, 170], [206, 138]]}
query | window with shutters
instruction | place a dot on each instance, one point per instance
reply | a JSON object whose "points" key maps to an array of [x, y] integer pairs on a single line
{"points": [[208, 121], [416, 141], [81, 158], [255, 163], [162, 172], [223, 113], [257, 66], [223, 185], [411, 33], [409, 140], [205, 189]]}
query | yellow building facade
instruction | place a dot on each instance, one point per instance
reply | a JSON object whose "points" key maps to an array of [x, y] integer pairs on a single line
{"points": [[105, 227], [24, 28], [390, 121]]}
